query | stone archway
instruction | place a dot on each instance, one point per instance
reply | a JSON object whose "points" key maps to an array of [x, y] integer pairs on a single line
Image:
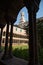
{"points": [[32, 6], [33, 49]]}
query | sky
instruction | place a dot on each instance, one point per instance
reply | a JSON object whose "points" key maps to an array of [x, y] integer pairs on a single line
{"points": [[24, 9]]}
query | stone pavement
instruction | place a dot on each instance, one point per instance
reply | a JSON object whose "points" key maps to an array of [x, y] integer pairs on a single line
{"points": [[14, 61]]}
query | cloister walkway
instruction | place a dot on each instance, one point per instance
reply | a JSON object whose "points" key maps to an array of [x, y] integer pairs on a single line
{"points": [[13, 61], [9, 10]]}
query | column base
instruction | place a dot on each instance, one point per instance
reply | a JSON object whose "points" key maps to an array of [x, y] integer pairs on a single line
{"points": [[6, 57]]}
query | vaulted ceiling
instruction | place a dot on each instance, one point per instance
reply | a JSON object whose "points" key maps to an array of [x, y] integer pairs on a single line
{"points": [[11, 7]]}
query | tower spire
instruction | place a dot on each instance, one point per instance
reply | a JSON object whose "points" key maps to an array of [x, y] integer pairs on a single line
{"points": [[22, 19]]}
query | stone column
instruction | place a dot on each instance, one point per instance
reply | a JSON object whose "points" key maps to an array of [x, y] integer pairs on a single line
{"points": [[32, 7], [33, 52], [6, 43], [1, 37], [10, 44]]}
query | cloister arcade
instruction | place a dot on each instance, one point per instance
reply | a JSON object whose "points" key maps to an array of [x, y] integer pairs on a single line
{"points": [[9, 10]]}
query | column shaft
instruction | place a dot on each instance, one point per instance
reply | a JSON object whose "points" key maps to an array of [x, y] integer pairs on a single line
{"points": [[11, 35], [33, 60], [6, 42]]}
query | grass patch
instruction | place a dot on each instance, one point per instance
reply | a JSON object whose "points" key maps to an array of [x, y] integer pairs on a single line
{"points": [[21, 51], [23, 46]]}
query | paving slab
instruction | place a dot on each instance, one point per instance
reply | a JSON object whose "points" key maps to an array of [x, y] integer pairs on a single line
{"points": [[13, 61]]}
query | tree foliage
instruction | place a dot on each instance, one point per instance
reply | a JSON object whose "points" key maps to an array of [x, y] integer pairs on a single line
{"points": [[39, 26], [40, 32]]}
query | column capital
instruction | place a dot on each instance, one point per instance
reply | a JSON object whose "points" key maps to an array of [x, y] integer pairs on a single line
{"points": [[10, 19], [32, 5]]}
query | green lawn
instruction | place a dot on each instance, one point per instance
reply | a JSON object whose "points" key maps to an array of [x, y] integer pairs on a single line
{"points": [[21, 51], [23, 46]]}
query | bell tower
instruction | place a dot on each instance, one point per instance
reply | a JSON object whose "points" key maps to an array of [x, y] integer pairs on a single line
{"points": [[22, 18]]}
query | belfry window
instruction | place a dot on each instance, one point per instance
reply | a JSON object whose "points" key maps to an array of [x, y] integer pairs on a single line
{"points": [[3, 41], [4, 33], [16, 29], [20, 30]]}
